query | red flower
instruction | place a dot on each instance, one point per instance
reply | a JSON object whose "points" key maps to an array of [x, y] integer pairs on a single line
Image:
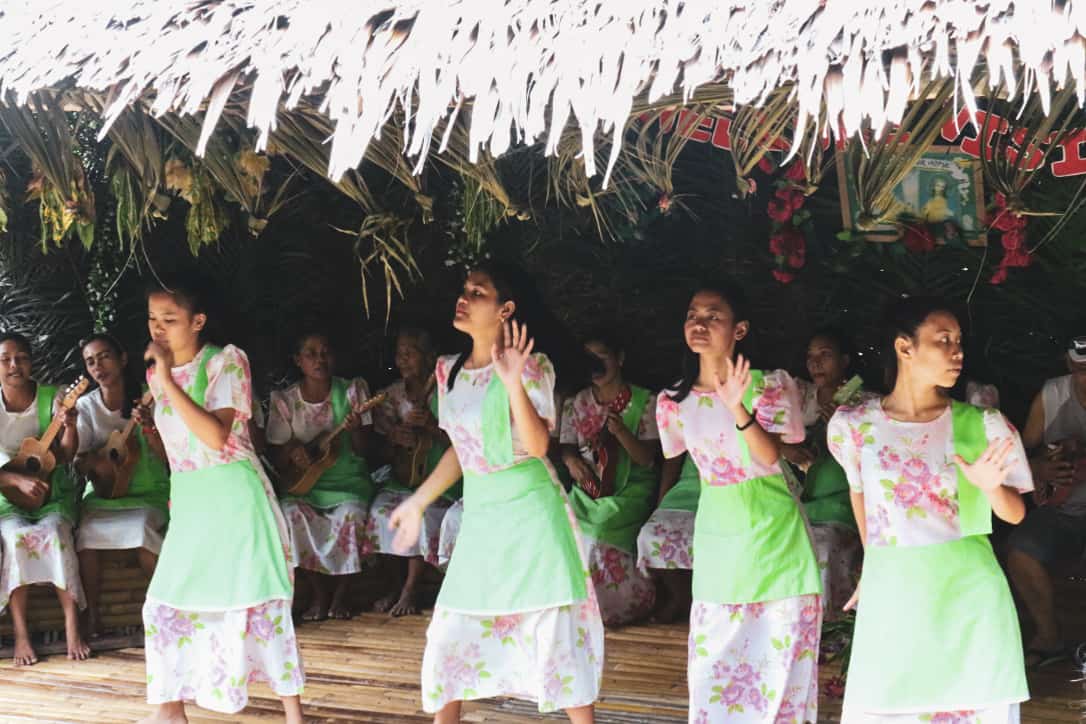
{"points": [[791, 197], [918, 239], [797, 171], [783, 276], [1000, 275], [1012, 239], [766, 165], [1016, 258], [779, 212], [789, 244]]}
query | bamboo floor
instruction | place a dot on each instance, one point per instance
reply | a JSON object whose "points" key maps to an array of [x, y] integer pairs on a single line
{"points": [[367, 670]]}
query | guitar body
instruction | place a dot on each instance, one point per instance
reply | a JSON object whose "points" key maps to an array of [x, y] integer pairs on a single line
{"points": [[409, 463], [1071, 450], [110, 469], [323, 454], [34, 460]]}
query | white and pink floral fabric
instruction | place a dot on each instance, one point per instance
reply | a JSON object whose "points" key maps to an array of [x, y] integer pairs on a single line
{"points": [[38, 552], [292, 418], [667, 540], [333, 541]]}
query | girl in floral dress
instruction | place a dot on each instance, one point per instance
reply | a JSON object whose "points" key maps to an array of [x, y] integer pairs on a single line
{"points": [[330, 530], [217, 614], [825, 488], [756, 618], [611, 511], [136, 520], [937, 635], [405, 420], [36, 545], [517, 615]]}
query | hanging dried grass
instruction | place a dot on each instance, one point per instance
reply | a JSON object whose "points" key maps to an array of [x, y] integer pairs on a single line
{"points": [[135, 168], [756, 128]]}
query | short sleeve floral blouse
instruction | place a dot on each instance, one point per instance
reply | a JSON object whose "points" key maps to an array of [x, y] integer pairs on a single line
{"points": [[293, 418], [906, 471], [702, 426], [583, 417], [229, 386], [460, 411]]}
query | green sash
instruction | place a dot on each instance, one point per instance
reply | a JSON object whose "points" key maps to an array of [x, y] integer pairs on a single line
{"points": [[826, 493], [750, 539], [516, 550], [349, 478], [222, 551], [62, 494], [686, 491], [149, 487], [617, 518], [950, 608]]}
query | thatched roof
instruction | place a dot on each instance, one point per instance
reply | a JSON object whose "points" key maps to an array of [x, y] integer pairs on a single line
{"points": [[523, 69]]}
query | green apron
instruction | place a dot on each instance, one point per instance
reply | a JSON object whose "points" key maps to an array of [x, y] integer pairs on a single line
{"points": [[936, 628], [516, 550], [826, 494], [223, 550], [686, 491], [149, 487], [62, 493], [348, 480], [617, 518], [750, 539], [433, 457]]}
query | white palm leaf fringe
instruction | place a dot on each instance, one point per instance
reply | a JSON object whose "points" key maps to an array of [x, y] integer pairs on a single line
{"points": [[59, 183], [519, 67], [381, 240]]}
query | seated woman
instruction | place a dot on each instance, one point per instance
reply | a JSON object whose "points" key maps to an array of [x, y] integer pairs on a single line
{"points": [[36, 544], [665, 544], [414, 444], [137, 519], [609, 445], [824, 494], [329, 528]]}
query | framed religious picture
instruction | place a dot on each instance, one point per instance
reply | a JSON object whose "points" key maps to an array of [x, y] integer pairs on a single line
{"points": [[942, 194]]}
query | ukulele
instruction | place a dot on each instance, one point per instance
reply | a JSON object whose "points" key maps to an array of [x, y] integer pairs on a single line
{"points": [[1056, 495], [35, 459], [604, 450], [110, 468], [409, 463], [322, 452]]}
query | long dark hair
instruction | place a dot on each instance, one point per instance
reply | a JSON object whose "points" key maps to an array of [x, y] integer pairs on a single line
{"points": [[902, 318], [514, 284], [130, 379], [736, 299], [194, 294]]}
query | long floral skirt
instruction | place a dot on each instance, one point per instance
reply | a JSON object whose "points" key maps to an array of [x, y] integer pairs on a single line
{"points": [[429, 532], [101, 529], [450, 529], [1004, 714], [625, 593], [839, 552], [553, 657], [212, 657], [667, 540], [38, 552], [329, 540], [755, 662]]}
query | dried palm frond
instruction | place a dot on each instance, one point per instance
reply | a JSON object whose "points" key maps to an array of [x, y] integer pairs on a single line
{"points": [[652, 159], [880, 165], [135, 167], [59, 181], [756, 128], [484, 170], [240, 174]]}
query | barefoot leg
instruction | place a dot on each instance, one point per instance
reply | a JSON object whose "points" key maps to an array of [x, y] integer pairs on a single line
{"points": [[582, 714], [147, 561], [339, 608], [24, 652], [90, 571], [169, 713], [77, 647], [385, 603], [407, 606], [292, 707], [449, 714], [322, 594]]}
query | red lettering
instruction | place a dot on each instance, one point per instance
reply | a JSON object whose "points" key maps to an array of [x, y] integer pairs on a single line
{"points": [[722, 134], [667, 121], [954, 127], [695, 125], [1071, 161]]}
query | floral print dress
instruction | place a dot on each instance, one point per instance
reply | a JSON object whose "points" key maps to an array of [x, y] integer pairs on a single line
{"points": [[748, 662], [33, 550], [211, 656], [552, 656], [624, 592], [331, 540], [392, 412], [910, 487]]}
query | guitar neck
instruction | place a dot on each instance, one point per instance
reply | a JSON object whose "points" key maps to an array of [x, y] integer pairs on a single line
{"points": [[130, 426], [364, 407], [51, 431]]}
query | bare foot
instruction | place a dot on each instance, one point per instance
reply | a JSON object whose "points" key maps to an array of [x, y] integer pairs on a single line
{"points": [[77, 648], [172, 713], [24, 653], [406, 606], [385, 603], [316, 612], [340, 609]]}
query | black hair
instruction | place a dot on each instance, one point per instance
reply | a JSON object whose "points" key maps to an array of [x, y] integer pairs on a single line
{"points": [[299, 339], [902, 318], [840, 339], [129, 373], [19, 339], [422, 338], [191, 292], [734, 296], [609, 338]]}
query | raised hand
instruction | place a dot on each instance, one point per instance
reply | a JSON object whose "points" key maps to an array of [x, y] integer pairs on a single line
{"points": [[733, 385], [162, 358], [406, 520], [989, 471], [511, 355]]}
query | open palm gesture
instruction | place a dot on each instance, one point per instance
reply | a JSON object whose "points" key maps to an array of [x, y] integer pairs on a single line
{"points": [[406, 520], [511, 352], [732, 386], [989, 471]]}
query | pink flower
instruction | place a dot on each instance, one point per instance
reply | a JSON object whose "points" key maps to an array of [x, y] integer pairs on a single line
{"points": [[744, 673], [260, 627], [721, 670], [916, 471], [755, 699], [724, 472], [732, 694], [888, 459], [505, 626], [906, 494], [618, 573], [809, 614]]}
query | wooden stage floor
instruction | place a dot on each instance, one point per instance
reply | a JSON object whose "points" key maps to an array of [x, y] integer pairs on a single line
{"points": [[367, 670]]}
